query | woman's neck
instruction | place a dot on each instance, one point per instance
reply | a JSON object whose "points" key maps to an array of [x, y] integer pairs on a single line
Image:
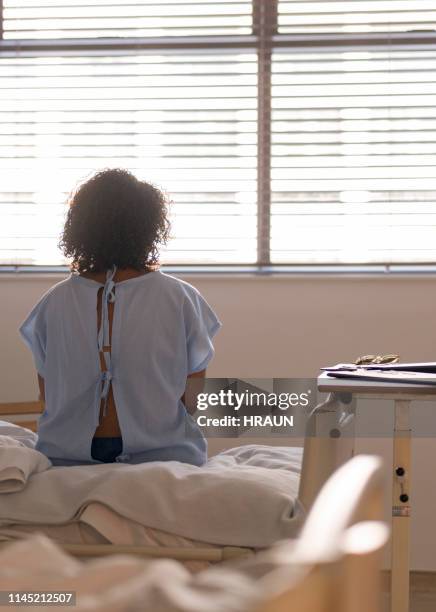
{"points": [[121, 274]]}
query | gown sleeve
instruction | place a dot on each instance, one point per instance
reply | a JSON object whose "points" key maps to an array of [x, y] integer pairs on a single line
{"points": [[34, 333], [201, 324]]}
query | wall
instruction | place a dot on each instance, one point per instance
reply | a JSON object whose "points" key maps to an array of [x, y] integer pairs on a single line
{"points": [[287, 326]]}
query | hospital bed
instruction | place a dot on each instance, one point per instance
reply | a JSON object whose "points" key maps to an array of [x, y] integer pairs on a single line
{"points": [[333, 566], [326, 446]]}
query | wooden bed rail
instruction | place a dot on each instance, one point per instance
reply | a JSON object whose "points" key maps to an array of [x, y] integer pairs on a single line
{"points": [[22, 413], [212, 555], [178, 553]]}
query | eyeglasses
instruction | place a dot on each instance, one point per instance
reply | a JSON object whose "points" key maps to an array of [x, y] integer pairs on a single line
{"points": [[379, 359]]}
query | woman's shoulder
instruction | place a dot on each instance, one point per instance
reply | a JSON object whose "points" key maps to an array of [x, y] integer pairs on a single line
{"points": [[177, 286], [44, 308], [53, 292]]}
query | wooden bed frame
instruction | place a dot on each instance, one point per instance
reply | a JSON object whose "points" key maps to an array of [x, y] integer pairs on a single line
{"points": [[338, 551], [24, 414], [323, 453]]}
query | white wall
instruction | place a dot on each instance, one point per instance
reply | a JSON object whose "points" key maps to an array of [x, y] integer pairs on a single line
{"points": [[286, 326]]}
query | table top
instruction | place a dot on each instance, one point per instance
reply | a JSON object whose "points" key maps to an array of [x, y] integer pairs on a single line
{"points": [[328, 383]]}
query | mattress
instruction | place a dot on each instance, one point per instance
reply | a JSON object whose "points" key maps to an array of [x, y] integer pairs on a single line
{"points": [[243, 497]]}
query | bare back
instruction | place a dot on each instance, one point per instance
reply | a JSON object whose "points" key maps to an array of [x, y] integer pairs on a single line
{"points": [[109, 426]]}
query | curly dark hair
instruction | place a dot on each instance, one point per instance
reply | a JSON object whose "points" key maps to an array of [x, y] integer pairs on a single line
{"points": [[115, 219]]}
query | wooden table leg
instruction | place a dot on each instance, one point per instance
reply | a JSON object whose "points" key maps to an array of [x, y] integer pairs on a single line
{"points": [[401, 508]]}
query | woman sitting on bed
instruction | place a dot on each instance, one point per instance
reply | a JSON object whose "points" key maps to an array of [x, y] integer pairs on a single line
{"points": [[115, 342]]}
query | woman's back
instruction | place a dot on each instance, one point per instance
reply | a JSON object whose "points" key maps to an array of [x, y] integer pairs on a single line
{"points": [[109, 426], [161, 332], [114, 343]]}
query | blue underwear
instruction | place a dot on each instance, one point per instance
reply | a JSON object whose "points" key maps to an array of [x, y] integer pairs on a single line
{"points": [[106, 450]]}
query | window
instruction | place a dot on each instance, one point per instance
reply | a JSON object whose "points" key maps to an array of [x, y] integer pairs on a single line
{"points": [[355, 16], [181, 120], [57, 19], [286, 132], [354, 157]]}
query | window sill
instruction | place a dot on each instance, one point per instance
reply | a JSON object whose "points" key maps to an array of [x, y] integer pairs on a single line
{"points": [[249, 270]]}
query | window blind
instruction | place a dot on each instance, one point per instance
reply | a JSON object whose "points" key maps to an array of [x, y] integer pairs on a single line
{"points": [[354, 157], [354, 16], [348, 141], [183, 121], [50, 19]]}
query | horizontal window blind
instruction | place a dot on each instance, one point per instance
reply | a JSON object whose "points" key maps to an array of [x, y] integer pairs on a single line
{"points": [[354, 157], [348, 16], [183, 121], [353, 124], [41, 19]]}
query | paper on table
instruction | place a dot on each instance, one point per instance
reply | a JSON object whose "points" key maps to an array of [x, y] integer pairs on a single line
{"points": [[408, 377], [427, 367]]}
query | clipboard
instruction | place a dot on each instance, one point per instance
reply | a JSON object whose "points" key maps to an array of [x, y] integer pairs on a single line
{"points": [[386, 374], [409, 377], [427, 367]]}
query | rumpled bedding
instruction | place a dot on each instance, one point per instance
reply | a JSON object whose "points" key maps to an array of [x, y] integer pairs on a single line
{"points": [[17, 463], [128, 584], [246, 496]]}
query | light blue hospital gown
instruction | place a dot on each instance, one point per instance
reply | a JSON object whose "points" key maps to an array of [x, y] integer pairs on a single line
{"points": [[162, 331]]}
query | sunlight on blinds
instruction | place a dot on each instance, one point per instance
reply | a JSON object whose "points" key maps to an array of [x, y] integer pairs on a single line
{"points": [[40, 19], [185, 122], [353, 157], [354, 16]]}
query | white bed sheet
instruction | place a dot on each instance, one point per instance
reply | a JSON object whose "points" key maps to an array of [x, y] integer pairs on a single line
{"points": [[277, 470], [101, 525]]}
